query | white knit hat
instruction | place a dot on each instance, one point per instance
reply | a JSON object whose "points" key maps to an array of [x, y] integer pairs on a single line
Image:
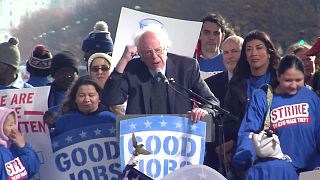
{"points": [[98, 55]]}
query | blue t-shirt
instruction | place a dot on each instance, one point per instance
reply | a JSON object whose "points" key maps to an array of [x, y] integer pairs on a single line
{"points": [[37, 81], [294, 118], [10, 164], [211, 65]]}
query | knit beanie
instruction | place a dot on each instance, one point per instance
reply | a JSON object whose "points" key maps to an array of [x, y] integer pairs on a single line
{"points": [[98, 40], [40, 60], [65, 59], [98, 55], [4, 112], [9, 52]]}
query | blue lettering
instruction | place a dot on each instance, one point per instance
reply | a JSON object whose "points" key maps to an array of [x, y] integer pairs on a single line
{"points": [[115, 169], [92, 154], [63, 164], [72, 177], [157, 143], [116, 147], [184, 163], [175, 145], [102, 173], [82, 154], [169, 166], [86, 173], [188, 143], [141, 165], [157, 168]]}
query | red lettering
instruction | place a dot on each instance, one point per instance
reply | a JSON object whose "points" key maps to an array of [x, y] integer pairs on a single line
{"points": [[30, 98], [32, 126], [298, 109], [3, 100], [9, 171], [23, 98], [12, 164], [18, 163], [280, 112], [14, 99], [304, 108], [274, 115], [18, 112], [25, 128], [287, 111]]}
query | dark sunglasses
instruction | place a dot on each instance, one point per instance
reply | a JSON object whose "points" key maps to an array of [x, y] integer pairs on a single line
{"points": [[97, 68]]}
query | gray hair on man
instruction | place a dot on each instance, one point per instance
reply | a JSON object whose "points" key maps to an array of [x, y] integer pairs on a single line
{"points": [[234, 38], [160, 32]]}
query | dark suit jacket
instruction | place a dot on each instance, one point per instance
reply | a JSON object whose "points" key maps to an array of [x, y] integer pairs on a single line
{"points": [[218, 85], [134, 85]]}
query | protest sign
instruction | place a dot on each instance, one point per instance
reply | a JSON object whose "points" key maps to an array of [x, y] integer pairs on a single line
{"points": [[173, 141], [90, 152], [30, 105], [182, 33]]}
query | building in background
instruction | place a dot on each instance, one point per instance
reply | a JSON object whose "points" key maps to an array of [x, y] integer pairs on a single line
{"points": [[11, 12]]}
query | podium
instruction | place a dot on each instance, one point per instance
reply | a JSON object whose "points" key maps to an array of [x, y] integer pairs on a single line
{"points": [[173, 140], [210, 127]]}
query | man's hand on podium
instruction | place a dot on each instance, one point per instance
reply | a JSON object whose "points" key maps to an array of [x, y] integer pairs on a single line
{"points": [[196, 114]]}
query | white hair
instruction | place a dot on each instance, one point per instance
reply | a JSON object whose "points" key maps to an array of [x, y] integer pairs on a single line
{"points": [[160, 33], [234, 38]]}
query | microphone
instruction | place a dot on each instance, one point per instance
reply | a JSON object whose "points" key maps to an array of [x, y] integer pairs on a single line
{"points": [[160, 76]]}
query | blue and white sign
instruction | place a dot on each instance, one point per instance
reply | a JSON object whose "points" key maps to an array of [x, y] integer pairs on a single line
{"points": [[172, 140], [87, 153]]}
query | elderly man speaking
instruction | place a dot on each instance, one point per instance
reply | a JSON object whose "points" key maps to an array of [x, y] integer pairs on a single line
{"points": [[135, 80]]}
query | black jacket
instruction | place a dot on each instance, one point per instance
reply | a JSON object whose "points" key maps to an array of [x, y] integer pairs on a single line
{"points": [[134, 85], [218, 85], [236, 102]]}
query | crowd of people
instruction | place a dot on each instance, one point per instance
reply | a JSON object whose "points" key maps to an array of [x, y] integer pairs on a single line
{"points": [[241, 66]]}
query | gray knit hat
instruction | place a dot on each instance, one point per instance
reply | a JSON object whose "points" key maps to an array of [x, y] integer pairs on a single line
{"points": [[9, 52]]}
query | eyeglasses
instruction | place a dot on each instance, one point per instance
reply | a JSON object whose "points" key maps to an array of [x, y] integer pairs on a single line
{"points": [[149, 53], [97, 68]]}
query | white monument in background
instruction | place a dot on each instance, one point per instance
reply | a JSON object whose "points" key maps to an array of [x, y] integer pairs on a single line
{"points": [[11, 12]]}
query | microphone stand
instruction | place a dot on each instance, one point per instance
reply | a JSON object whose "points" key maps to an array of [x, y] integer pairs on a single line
{"points": [[218, 113]]}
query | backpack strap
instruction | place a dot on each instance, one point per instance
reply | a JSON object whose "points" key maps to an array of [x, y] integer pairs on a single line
{"points": [[269, 101]]}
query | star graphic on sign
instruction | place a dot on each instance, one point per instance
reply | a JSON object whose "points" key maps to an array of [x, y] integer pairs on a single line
{"points": [[194, 127], [55, 144], [112, 130], [148, 124], [69, 139], [83, 134], [178, 125], [133, 126], [97, 132], [163, 123]]}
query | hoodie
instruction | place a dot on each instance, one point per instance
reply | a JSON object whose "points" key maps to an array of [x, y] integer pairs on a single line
{"points": [[4, 112], [15, 162]]}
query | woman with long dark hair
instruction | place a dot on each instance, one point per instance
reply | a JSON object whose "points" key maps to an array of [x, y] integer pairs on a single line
{"points": [[255, 67], [83, 107], [294, 120]]}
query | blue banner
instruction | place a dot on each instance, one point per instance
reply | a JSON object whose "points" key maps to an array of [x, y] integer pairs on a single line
{"points": [[87, 153], [172, 140]]}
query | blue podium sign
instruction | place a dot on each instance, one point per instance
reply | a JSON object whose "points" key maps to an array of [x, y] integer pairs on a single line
{"points": [[90, 152], [173, 141]]}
